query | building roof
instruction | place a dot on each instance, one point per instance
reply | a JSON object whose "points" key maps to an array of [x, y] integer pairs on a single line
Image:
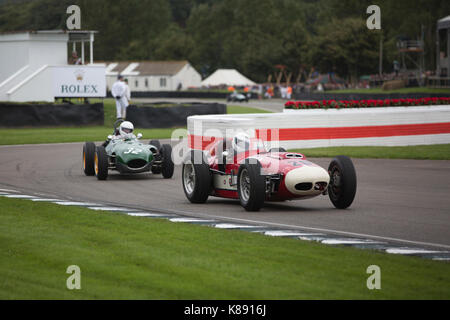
{"points": [[144, 68], [229, 77], [444, 23]]}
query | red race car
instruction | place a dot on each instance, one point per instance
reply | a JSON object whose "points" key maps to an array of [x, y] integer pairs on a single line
{"points": [[241, 168]]}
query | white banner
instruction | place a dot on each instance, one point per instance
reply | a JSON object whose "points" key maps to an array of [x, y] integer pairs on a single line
{"points": [[79, 81]]}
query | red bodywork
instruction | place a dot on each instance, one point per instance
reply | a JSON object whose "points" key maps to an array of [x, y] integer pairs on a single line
{"points": [[274, 165]]}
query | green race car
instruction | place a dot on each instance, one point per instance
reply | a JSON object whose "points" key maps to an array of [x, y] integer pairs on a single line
{"points": [[127, 156]]}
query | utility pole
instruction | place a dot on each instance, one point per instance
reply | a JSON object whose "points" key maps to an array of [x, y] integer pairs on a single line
{"points": [[380, 67]]}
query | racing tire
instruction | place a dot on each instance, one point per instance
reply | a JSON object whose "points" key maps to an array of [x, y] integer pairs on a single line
{"points": [[155, 143], [88, 159], [251, 186], [167, 166], [342, 187], [277, 150], [196, 178], [101, 163]]}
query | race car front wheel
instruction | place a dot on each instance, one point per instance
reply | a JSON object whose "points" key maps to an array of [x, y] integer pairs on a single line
{"points": [[88, 158], [167, 166], [196, 177], [101, 163], [251, 186], [342, 187]]}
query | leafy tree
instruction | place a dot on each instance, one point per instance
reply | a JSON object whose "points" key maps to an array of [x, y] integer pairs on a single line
{"points": [[252, 36], [346, 47]]}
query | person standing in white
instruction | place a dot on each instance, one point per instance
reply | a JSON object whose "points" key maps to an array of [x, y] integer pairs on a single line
{"points": [[119, 92]]}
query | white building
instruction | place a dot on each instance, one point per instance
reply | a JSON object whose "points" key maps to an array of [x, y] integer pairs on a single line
{"points": [[34, 66], [154, 75]]}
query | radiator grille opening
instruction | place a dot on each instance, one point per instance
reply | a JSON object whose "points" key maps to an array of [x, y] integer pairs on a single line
{"points": [[136, 163], [304, 186]]}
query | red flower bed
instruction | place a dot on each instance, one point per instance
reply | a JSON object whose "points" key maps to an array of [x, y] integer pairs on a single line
{"points": [[344, 104]]}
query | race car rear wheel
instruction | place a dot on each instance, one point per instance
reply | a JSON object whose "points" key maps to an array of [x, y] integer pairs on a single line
{"points": [[196, 177], [251, 186], [167, 166], [101, 163], [88, 158], [342, 187]]}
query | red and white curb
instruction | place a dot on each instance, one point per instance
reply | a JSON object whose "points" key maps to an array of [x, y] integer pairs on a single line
{"points": [[324, 238]]}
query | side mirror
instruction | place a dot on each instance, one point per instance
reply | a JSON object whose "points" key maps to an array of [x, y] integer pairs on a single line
{"points": [[110, 137], [139, 135]]}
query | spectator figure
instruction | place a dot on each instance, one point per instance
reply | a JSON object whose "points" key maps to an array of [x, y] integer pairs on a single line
{"points": [[269, 93], [396, 68], [289, 92], [119, 92], [74, 59]]}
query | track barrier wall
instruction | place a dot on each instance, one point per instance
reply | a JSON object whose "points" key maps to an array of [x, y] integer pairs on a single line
{"points": [[362, 96], [152, 116], [389, 126], [42, 115]]}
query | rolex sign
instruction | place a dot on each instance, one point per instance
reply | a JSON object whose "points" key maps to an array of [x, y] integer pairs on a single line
{"points": [[79, 81]]}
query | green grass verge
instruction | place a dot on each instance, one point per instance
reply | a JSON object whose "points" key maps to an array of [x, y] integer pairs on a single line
{"points": [[424, 152], [240, 110], [13, 136], [124, 257], [70, 134], [402, 90]]}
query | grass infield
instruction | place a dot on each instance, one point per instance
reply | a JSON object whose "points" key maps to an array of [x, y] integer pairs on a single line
{"points": [[423, 152], [124, 257], [93, 133]]}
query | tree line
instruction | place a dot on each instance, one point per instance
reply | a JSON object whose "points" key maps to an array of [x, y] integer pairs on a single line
{"points": [[257, 37]]}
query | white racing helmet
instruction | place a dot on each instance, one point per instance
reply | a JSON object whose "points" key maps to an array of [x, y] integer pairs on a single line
{"points": [[126, 129], [241, 142]]}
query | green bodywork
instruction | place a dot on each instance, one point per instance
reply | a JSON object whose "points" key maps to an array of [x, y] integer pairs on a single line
{"points": [[126, 150]]}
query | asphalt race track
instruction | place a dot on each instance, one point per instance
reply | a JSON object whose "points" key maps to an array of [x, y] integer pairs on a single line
{"points": [[398, 200]]}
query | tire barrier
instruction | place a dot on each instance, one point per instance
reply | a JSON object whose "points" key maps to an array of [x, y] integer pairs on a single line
{"points": [[390, 126], [153, 116], [43, 115]]}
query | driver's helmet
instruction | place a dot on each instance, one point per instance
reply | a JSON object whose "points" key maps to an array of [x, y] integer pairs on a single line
{"points": [[126, 129], [241, 142]]}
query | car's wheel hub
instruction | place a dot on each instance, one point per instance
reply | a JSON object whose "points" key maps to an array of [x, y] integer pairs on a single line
{"points": [[189, 177], [244, 184]]}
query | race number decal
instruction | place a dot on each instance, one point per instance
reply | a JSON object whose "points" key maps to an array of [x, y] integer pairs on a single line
{"points": [[133, 151]]}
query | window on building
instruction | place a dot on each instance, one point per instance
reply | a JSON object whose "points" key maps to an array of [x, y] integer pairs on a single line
{"points": [[162, 82], [146, 82], [136, 83]]}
